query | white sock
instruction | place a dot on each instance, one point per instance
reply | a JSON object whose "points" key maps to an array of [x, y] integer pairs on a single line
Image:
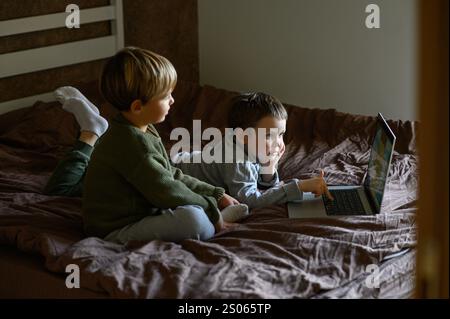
{"points": [[233, 213], [65, 93], [85, 116]]}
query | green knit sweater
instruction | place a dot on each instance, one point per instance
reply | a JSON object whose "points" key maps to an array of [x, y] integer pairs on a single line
{"points": [[130, 177]]}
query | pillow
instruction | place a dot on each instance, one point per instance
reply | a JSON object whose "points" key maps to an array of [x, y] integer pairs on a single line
{"points": [[41, 127]]}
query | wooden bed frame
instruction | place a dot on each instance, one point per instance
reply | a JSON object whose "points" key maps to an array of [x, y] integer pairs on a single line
{"points": [[44, 58], [24, 275]]}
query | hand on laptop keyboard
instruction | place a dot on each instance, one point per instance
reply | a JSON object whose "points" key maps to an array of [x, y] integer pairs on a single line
{"points": [[316, 185]]}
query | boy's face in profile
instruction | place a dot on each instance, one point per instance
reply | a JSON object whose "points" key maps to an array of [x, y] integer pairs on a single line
{"points": [[155, 110], [272, 141]]}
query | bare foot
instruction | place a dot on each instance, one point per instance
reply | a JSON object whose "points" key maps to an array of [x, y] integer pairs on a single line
{"points": [[88, 137]]}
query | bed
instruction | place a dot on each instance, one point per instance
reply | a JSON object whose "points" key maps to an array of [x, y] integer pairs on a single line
{"points": [[267, 256]]}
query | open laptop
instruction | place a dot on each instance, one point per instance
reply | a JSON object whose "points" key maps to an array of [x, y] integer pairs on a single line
{"points": [[364, 199]]}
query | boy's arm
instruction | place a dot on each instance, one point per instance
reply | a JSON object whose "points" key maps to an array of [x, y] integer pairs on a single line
{"points": [[268, 182], [242, 182], [268, 174], [197, 185], [157, 184]]}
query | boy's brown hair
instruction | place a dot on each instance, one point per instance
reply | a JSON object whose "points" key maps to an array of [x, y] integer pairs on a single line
{"points": [[248, 108], [136, 74]]}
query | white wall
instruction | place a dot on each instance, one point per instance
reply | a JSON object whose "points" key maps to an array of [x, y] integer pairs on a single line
{"points": [[315, 53]]}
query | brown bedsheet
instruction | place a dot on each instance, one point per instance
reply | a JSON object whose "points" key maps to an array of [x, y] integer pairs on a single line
{"points": [[267, 256]]}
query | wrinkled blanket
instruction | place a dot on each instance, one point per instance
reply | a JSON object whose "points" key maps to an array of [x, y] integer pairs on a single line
{"points": [[267, 256]]}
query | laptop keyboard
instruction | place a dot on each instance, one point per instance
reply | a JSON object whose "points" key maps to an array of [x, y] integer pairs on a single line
{"points": [[346, 202]]}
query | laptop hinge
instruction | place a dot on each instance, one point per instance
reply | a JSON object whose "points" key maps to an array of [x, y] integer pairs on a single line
{"points": [[370, 200]]}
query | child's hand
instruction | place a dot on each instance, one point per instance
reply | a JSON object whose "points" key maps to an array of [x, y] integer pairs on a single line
{"points": [[276, 158], [270, 168], [226, 201], [315, 185], [283, 149]]}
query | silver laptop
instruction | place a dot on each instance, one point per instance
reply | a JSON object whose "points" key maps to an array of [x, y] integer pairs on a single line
{"points": [[365, 199]]}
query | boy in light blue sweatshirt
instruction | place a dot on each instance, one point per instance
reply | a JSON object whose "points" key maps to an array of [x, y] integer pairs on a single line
{"points": [[251, 175]]}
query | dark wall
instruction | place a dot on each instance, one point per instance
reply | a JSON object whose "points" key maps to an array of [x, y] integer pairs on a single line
{"points": [[168, 27]]}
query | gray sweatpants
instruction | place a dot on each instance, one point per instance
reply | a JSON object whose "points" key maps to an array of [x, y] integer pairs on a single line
{"points": [[184, 222]]}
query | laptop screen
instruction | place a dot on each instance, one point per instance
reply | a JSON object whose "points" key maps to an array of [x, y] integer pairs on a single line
{"points": [[379, 162]]}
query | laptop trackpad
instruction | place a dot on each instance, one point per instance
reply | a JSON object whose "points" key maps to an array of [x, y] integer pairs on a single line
{"points": [[309, 207]]}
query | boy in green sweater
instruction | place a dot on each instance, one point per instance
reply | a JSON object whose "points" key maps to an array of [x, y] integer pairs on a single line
{"points": [[130, 189]]}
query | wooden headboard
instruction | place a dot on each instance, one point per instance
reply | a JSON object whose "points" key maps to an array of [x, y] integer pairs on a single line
{"points": [[59, 55]]}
